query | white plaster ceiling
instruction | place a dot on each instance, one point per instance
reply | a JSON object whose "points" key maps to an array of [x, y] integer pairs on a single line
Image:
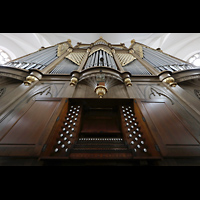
{"points": [[181, 45]]}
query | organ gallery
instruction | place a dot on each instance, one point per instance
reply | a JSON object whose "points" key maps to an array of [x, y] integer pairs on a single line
{"points": [[99, 102]]}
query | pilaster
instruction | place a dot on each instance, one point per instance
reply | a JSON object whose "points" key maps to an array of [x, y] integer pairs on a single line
{"points": [[84, 60], [117, 61]]}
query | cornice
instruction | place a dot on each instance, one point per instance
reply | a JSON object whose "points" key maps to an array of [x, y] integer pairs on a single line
{"points": [[185, 75], [15, 73]]}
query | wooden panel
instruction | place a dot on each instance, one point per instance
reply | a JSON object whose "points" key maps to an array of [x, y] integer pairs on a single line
{"points": [[99, 125], [146, 133], [100, 121], [84, 91], [172, 136], [171, 129], [30, 126], [29, 132], [118, 91]]}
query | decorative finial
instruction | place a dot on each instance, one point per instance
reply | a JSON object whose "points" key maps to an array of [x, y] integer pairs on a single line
{"points": [[132, 41], [41, 48], [170, 81], [73, 81], [30, 79], [127, 81], [69, 41], [100, 90]]}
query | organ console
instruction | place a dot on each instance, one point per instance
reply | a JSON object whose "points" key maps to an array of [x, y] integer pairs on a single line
{"points": [[103, 136]]}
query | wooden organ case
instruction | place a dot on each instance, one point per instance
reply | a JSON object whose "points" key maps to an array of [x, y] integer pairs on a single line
{"points": [[99, 101]]}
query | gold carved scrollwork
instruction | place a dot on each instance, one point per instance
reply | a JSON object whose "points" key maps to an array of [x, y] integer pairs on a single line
{"points": [[100, 41], [101, 47], [62, 48], [125, 58], [138, 49], [76, 57]]}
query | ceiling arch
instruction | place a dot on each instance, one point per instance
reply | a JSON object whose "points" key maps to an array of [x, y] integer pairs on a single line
{"points": [[181, 45]]}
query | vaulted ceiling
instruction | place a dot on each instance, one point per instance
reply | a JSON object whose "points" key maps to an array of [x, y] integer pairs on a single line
{"points": [[181, 45]]}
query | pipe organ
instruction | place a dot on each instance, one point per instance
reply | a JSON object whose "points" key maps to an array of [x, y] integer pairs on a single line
{"points": [[38, 60], [100, 58], [99, 102], [162, 62]]}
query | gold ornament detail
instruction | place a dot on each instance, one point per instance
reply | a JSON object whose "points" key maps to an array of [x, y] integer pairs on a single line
{"points": [[101, 90], [101, 47], [76, 57], [73, 81], [29, 80], [100, 41], [127, 81], [138, 49], [170, 81], [62, 48], [125, 58]]}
